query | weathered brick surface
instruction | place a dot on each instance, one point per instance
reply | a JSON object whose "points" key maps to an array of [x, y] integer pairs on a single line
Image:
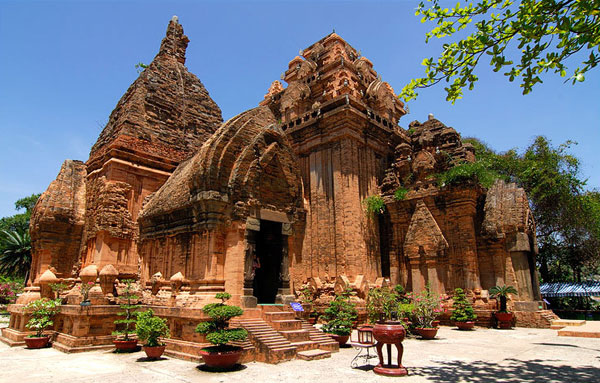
{"points": [[57, 222], [164, 116]]}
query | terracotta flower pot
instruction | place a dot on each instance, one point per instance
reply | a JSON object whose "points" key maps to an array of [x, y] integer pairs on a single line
{"points": [[218, 357], [389, 332], [465, 325], [341, 339], [427, 333], [37, 342], [504, 320], [504, 317], [154, 352], [435, 323], [125, 345]]}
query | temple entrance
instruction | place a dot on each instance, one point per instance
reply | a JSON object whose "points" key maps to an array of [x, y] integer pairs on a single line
{"points": [[269, 245]]}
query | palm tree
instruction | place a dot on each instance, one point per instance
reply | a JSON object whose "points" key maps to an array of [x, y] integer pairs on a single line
{"points": [[15, 252], [502, 292]]}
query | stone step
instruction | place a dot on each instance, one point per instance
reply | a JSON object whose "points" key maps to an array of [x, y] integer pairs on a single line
{"points": [[279, 315], [305, 345], [568, 322], [295, 335], [286, 324], [270, 308], [313, 354]]}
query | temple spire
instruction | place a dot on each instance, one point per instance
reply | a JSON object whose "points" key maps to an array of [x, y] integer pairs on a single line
{"points": [[175, 42]]}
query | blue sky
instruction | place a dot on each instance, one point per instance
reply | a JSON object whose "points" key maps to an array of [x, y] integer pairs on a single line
{"points": [[65, 64]]}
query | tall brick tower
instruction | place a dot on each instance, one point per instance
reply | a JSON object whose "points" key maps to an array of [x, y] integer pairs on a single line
{"points": [[342, 121]]}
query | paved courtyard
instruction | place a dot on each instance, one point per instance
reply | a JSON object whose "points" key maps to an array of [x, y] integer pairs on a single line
{"points": [[519, 355]]}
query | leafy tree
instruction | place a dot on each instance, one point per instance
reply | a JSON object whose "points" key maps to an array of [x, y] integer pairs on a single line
{"points": [[21, 220], [15, 252], [567, 216], [548, 34]]}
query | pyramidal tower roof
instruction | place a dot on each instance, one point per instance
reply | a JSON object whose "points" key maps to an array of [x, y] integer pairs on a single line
{"points": [[165, 115]]}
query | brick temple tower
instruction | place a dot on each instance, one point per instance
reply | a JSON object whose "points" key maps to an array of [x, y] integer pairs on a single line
{"points": [[342, 121]]}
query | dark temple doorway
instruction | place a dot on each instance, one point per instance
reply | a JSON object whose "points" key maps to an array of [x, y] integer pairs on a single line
{"points": [[269, 245]]}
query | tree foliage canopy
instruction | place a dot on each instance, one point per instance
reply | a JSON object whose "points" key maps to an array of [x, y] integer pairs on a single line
{"points": [[549, 34], [567, 215]]}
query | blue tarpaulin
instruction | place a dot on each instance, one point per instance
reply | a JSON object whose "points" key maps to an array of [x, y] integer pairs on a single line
{"points": [[570, 289]]}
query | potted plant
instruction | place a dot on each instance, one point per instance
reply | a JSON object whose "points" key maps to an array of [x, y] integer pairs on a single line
{"points": [[123, 342], [306, 299], [383, 309], [41, 311], [217, 331], [463, 314], [150, 329], [340, 316], [503, 316], [427, 308], [85, 290]]}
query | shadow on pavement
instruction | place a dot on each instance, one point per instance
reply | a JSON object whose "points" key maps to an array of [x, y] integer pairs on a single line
{"points": [[146, 359], [237, 367], [516, 371]]}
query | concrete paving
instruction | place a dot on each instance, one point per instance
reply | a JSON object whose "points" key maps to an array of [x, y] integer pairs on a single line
{"points": [[484, 355]]}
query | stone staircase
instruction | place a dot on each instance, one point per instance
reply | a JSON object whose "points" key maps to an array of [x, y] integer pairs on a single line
{"points": [[278, 336]]}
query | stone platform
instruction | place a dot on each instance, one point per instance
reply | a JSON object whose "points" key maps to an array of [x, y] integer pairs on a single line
{"points": [[589, 329]]}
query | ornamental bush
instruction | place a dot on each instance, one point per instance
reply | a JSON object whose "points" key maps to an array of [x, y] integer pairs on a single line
{"points": [[427, 307], [462, 308], [42, 311], [151, 328], [385, 304], [340, 314], [216, 329]]}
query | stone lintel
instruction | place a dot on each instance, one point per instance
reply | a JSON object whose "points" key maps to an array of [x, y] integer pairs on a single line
{"points": [[273, 215]]}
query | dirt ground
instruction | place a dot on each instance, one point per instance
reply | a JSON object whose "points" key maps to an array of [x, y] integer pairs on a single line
{"points": [[484, 355]]}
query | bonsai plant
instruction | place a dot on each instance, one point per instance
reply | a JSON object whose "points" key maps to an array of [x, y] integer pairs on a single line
{"points": [[85, 290], [151, 328], [42, 311], [503, 315], [340, 315], [463, 314], [217, 331], [124, 342], [427, 308]]}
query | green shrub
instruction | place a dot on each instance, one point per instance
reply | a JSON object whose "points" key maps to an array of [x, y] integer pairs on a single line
{"points": [[42, 311], [400, 194], [216, 329], [151, 328], [374, 204], [340, 314], [470, 171], [385, 304], [462, 308], [338, 327]]}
